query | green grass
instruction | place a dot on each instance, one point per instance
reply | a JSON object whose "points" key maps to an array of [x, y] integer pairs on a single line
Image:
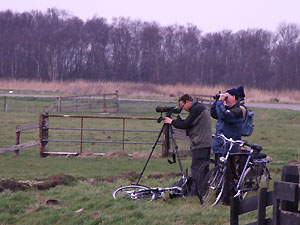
{"points": [[276, 130]]}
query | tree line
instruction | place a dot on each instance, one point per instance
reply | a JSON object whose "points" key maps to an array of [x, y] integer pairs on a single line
{"points": [[55, 46]]}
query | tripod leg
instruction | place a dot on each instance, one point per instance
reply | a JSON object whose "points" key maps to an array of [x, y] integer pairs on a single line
{"points": [[176, 150], [153, 147], [184, 174]]}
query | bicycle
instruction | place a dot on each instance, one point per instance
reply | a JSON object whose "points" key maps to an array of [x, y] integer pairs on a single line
{"points": [[136, 191], [254, 175]]}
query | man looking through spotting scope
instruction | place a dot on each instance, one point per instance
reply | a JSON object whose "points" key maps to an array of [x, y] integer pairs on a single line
{"points": [[198, 128], [226, 109]]}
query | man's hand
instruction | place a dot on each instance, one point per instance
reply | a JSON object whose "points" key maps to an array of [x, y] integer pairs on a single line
{"points": [[168, 120], [222, 97]]}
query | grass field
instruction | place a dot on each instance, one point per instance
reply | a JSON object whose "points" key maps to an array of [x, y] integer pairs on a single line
{"points": [[84, 202]]}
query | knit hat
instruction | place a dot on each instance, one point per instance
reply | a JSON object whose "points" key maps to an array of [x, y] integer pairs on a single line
{"points": [[240, 89], [233, 92]]}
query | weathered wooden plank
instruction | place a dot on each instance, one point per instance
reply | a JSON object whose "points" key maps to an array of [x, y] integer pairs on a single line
{"points": [[27, 127], [254, 223], [258, 202], [61, 153], [92, 106], [20, 146], [290, 173], [72, 153], [248, 204], [266, 222], [289, 217], [285, 190]]}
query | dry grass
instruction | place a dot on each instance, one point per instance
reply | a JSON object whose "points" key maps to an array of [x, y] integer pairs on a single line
{"points": [[141, 90]]}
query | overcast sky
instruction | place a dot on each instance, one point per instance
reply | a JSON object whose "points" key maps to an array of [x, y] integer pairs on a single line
{"points": [[208, 15]]}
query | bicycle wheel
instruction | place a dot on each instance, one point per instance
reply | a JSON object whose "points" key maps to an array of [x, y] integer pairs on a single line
{"points": [[202, 171], [133, 192], [248, 182], [212, 187], [253, 179]]}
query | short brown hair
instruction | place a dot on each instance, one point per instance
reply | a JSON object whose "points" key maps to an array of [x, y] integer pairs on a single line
{"points": [[185, 98]]}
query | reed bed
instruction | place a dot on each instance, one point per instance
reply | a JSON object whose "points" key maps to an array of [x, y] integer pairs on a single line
{"points": [[141, 90]]}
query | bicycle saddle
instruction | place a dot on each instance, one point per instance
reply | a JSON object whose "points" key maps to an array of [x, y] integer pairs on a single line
{"points": [[255, 147]]}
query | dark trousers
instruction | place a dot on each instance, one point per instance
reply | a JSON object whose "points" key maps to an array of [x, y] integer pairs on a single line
{"points": [[199, 156]]}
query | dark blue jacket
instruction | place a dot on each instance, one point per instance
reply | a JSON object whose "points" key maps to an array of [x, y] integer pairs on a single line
{"points": [[229, 123]]}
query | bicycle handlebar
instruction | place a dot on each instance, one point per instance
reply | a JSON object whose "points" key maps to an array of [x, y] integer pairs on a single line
{"points": [[239, 142], [255, 147]]}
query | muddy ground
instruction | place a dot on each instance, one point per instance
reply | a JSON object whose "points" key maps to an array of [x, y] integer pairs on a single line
{"points": [[63, 179]]}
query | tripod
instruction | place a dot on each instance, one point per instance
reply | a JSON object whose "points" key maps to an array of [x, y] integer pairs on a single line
{"points": [[169, 130]]}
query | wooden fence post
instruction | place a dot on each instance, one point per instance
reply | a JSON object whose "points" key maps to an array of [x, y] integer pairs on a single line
{"points": [[75, 104], [117, 101], [234, 211], [276, 211], [262, 204], [17, 139], [59, 104], [89, 102], [44, 131], [123, 139], [81, 135], [290, 174], [4, 104], [104, 103]]}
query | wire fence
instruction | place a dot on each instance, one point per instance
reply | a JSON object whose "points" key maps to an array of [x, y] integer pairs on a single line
{"points": [[105, 103]]}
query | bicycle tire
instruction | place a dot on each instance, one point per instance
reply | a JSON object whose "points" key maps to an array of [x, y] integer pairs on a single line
{"points": [[212, 187], [246, 181], [133, 191], [201, 173], [253, 179]]}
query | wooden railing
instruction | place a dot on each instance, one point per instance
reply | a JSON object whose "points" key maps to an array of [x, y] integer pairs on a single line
{"points": [[44, 139], [19, 146], [284, 198], [100, 103]]}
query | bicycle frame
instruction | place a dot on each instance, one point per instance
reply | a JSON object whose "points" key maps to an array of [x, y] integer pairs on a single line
{"points": [[224, 160], [225, 164], [136, 192]]}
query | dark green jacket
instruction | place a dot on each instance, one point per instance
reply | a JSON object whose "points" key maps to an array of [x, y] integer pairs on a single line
{"points": [[197, 126]]}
